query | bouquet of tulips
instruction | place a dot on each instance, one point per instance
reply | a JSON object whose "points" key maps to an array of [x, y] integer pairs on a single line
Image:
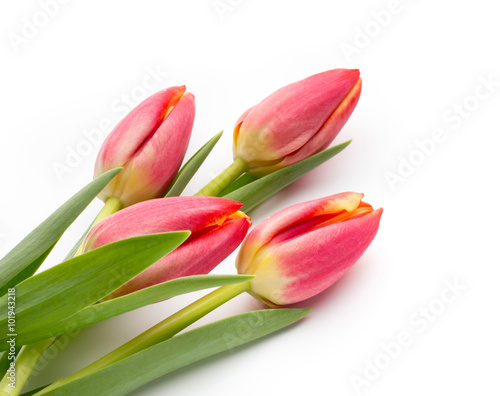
{"points": [[149, 244]]}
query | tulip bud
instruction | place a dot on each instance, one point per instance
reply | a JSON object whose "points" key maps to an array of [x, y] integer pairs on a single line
{"points": [[296, 121], [149, 143], [217, 228], [302, 250]]}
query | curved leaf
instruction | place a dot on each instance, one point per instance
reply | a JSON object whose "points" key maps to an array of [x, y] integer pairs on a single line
{"points": [[108, 309], [241, 181], [258, 191], [27, 256], [191, 167], [63, 290], [134, 371]]}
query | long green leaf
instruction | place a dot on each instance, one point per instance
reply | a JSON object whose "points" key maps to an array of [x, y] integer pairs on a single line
{"points": [[25, 258], [145, 366], [63, 290], [33, 391], [108, 309], [191, 167], [30, 269], [241, 181], [258, 191], [79, 243]]}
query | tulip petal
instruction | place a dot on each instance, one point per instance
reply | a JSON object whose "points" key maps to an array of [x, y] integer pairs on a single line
{"points": [[328, 132], [161, 215], [287, 119], [195, 257], [287, 218], [156, 163], [135, 128], [237, 127], [316, 260], [301, 250]]}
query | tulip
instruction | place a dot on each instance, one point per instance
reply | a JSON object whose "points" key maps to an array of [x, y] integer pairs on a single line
{"points": [[296, 121], [216, 225], [302, 250], [291, 124], [149, 143]]}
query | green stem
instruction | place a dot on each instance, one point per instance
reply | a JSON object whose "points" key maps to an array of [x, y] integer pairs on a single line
{"points": [[224, 179], [163, 330], [25, 363], [111, 206], [31, 354]]}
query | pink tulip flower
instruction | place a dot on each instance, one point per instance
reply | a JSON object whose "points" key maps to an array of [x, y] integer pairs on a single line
{"points": [[216, 225], [302, 250], [296, 121], [149, 143]]}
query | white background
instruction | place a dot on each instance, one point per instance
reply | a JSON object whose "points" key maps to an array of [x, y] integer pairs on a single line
{"points": [[423, 68]]}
